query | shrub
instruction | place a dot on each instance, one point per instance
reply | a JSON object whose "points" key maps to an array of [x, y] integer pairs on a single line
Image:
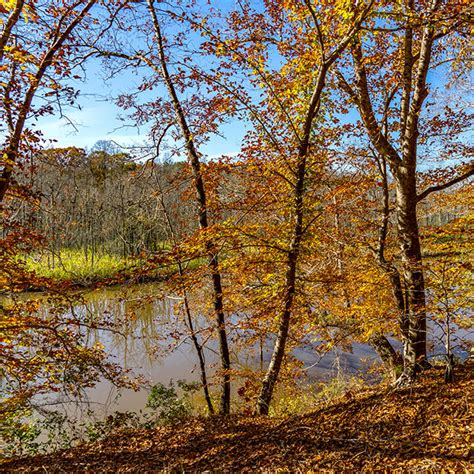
{"points": [[169, 406]]}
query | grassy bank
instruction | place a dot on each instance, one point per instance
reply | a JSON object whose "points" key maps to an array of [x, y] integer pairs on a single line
{"points": [[77, 266], [79, 270], [424, 428]]}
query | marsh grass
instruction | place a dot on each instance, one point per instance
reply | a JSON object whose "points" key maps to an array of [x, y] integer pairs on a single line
{"points": [[75, 265]]}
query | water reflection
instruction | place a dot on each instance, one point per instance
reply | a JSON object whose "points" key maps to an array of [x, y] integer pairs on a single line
{"points": [[152, 341]]}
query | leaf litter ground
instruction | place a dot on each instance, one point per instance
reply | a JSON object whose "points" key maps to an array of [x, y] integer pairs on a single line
{"points": [[424, 428]]}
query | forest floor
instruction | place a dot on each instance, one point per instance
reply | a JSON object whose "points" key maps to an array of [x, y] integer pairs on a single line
{"points": [[424, 428]]}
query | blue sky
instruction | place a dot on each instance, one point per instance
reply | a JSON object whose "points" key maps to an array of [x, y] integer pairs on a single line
{"points": [[97, 117]]}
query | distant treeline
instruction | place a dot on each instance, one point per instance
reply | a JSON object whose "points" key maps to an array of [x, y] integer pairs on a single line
{"points": [[108, 202], [105, 202]]}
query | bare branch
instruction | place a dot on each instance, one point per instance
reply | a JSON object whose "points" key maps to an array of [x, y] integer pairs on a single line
{"points": [[447, 184]]}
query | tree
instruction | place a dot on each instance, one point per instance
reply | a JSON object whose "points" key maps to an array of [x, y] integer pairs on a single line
{"points": [[391, 63], [286, 106], [34, 64], [175, 113], [329, 53], [211, 249], [39, 354]]}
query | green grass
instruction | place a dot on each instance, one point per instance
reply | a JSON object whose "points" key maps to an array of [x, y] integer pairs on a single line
{"points": [[73, 265]]}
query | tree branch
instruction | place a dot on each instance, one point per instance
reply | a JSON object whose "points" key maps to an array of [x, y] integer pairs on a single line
{"points": [[440, 187], [364, 103]]}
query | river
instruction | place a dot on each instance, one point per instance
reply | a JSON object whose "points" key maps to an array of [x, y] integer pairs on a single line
{"points": [[145, 347]]}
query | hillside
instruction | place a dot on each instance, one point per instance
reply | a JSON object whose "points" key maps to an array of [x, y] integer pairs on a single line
{"points": [[427, 427]]}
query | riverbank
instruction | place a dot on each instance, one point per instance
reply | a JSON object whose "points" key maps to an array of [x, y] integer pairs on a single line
{"points": [[90, 283], [426, 427], [71, 270]]}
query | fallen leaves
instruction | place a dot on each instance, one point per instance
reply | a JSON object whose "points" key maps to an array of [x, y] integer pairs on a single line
{"points": [[424, 428]]}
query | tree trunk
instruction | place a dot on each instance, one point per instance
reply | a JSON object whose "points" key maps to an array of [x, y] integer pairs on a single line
{"points": [[5, 179], [409, 239], [390, 357], [269, 381], [201, 198], [197, 345]]}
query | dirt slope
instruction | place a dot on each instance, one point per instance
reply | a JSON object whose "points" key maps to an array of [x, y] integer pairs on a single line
{"points": [[425, 428]]}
